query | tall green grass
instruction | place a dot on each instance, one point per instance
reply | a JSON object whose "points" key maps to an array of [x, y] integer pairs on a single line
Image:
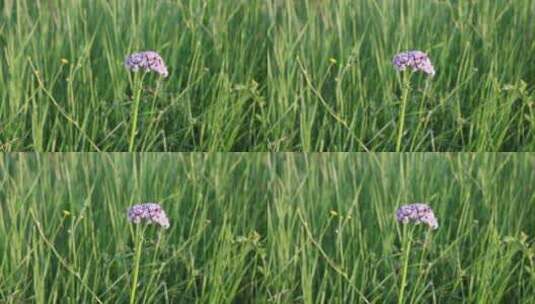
{"points": [[216, 52], [259, 75], [64, 235], [332, 78], [333, 237], [267, 228]]}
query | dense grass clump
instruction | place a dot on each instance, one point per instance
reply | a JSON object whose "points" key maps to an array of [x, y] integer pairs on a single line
{"points": [[255, 75], [282, 228]]}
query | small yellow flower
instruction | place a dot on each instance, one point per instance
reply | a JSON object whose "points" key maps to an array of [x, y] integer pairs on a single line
{"points": [[66, 213], [333, 213], [254, 236], [332, 60], [64, 61]]}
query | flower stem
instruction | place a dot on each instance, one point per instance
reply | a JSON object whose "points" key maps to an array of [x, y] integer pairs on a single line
{"points": [[402, 112], [137, 261], [405, 266], [138, 87]]}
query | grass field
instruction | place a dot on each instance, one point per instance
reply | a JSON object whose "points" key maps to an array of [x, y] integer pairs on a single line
{"points": [[267, 75], [64, 235], [261, 228], [333, 238]]}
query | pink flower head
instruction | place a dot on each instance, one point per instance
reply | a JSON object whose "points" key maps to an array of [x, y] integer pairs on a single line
{"points": [[151, 213], [417, 213], [148, 61], [416, 60]]}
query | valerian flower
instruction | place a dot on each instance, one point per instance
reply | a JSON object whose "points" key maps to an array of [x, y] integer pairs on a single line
{"points": [[150, 213], [148, 61], [417, 213], [415, 60]]}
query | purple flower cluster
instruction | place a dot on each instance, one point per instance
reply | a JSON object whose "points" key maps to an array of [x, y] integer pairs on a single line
{"points": [[151, 213], [148, 61], [416, 60], [417, 213]]}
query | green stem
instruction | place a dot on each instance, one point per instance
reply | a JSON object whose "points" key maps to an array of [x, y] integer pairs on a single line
{"points": [[402, 112], [137, 261], [138, 87], [405, 268]]}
